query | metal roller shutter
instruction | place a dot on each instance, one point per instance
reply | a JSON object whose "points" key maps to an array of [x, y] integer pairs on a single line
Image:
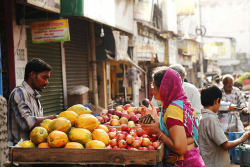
{"points": [[52, 97], [76, 54]]}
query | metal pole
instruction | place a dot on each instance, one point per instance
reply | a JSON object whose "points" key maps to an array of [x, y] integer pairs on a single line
{"points": [[1, 86], [134, 83], [94, 66], [201, 43]]}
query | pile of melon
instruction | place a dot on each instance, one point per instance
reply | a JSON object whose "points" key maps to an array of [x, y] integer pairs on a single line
{"points": [[74, 128]]}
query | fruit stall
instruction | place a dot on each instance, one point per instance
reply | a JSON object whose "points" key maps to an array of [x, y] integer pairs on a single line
{"points": [[85, 156], [78, 137]]}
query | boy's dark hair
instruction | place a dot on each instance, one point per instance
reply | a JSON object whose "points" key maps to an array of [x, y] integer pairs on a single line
{"points": [[37, 65], [209, 94], [158, 74]]}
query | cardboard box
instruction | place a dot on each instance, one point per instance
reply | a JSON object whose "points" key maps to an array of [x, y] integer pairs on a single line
{"points": [[77, 99]]}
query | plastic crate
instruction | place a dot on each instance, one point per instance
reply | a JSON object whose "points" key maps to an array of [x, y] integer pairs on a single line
{"points": [[236, 156], [233, 136], [244, 158]]}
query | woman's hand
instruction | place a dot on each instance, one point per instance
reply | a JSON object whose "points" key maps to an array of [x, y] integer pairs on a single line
{"points": [[152, 112], [152, 128], [155, 127]]}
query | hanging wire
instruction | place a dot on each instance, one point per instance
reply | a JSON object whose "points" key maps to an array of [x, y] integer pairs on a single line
{"points": [[187, 28], [21, 30]]}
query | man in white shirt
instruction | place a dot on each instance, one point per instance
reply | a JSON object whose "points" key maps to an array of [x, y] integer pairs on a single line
{"points": [[233, 94], [192, 93]]}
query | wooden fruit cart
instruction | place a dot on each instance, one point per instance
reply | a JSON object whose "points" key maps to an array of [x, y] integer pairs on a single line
{"points": [[85, 156]]}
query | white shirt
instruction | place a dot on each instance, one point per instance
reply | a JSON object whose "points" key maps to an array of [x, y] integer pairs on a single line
{"points": [[219, 85], [193, 95], [155, 102]]}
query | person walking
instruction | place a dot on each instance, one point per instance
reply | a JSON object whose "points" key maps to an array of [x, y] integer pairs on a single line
{"points": [[192, 93], [24, 108]]}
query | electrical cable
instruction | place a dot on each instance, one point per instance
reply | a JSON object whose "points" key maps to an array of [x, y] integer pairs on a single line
{"points": [[187, 28], [21, 31]]}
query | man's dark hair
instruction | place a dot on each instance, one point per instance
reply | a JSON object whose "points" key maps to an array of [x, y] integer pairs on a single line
{"points": [[145, 102], [37, 65], [209, 94]]}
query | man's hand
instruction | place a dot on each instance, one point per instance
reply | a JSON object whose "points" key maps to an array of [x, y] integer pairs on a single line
{"points": [[245, 111], [245, 136]]}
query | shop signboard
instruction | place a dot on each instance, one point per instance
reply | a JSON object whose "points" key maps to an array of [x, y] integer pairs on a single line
{"points": [[143, 10], [146, 48], [50, 5], [108, 12], [50, 31]]}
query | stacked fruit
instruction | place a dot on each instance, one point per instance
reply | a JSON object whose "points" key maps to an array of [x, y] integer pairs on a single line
{"points": [[77, 128], [74, 128], [132, 139], [122, 115]]}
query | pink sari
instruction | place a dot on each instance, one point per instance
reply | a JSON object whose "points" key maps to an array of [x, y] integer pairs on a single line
{"points": [[172, 94]]}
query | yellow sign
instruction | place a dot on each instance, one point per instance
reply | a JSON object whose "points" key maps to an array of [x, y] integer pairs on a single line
{"points": [[185, 7], [50, 31], [146, 48], [51, 5], [212, 49]]}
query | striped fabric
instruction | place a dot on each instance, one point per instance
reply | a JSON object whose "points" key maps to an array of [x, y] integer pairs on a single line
{"points": [[236, 97], [23, 110]]}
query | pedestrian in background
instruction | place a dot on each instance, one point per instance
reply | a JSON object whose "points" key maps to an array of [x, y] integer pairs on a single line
{"points": [[217, 81], [176, 127], [233, 94], [192, 93], [145, 102]]}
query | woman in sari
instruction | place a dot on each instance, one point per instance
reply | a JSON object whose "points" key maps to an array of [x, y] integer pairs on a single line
{"points": [[176, 127]]}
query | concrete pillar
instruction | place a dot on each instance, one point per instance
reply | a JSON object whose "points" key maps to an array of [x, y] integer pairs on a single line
{"points": [[135, 87]]}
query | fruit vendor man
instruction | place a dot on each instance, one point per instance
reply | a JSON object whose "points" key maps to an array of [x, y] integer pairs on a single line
{"points": [[24, 108]]}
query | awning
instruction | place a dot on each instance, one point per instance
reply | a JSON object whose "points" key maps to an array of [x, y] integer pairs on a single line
{"points": [[127, 60], [45, 5], [121, 45], [135, 65]]}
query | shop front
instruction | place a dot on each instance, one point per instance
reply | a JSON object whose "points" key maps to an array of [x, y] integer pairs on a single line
{"points": [[76, 56], [150, 53], [30, 45], [101, 22], [116, 68]]}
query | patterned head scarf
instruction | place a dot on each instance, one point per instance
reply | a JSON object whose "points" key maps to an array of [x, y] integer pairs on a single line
{"points": [[171, 90]]}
